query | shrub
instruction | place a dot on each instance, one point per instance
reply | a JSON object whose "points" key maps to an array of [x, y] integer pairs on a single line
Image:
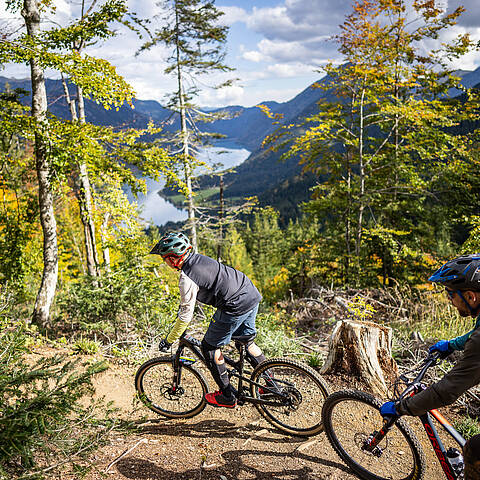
{"points": [[467, 426], [86, 346], [276, 336], [42, 419], [130, 297]]}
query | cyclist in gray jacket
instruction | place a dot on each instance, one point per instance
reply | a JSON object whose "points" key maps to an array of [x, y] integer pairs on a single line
{"points": [[461, 279], [230, 291]]}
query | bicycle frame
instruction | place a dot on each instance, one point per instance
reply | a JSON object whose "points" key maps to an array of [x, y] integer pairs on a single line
{"points": [[187, 341], [437, 444], [414, 387]]}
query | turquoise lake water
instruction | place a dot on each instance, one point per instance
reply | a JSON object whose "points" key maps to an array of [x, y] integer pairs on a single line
{"points": [[156, 209]]}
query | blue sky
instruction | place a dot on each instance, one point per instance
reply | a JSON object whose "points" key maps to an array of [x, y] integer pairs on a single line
{"points": [[276, 46]]}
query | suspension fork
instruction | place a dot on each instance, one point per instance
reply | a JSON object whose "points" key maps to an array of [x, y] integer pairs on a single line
{"points": [[177, 368], [371, 445]]}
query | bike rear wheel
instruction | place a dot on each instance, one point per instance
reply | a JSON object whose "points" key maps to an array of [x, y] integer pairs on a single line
{"points": [[154, 383], [295, 392], [350, 417]]}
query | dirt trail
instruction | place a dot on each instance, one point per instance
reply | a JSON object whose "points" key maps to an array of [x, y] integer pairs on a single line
{"points": [[218, 444]]}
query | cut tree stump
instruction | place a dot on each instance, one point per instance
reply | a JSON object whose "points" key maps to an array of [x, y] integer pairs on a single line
{"points": [[363, 350]]}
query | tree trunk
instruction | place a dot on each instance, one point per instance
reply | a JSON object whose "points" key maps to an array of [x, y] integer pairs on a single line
{"points": [[83, 190], [192, 223], [364, 351], [103, 236], [46, 293], [220, 221]]}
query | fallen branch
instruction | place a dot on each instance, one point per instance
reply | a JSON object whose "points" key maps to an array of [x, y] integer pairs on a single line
{"points": [[126, 452]]}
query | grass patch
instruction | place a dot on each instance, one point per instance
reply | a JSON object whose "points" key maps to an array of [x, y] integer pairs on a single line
{"points": [[467, 426], [433, 316], [276, 336]]}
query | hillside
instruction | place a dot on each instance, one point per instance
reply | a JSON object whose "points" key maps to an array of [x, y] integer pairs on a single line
{"points": [[275, 182]]}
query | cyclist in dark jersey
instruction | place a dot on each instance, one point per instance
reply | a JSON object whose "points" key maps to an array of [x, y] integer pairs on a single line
{"points": [[461, 279], [230, 291]]}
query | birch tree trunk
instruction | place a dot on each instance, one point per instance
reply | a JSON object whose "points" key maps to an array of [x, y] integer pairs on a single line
{"points": [[86, 203], [46, 293], [83, 190]]}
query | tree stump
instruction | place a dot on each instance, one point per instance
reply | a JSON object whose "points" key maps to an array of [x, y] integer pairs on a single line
{"points": [[363, 350]]}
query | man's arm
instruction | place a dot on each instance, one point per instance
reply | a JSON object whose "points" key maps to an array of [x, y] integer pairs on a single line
{"points": [[188, 296], [464, 375]]}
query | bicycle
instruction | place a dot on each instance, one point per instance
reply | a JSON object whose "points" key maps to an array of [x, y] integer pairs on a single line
{"points": [[286, 393], [378, 449]]}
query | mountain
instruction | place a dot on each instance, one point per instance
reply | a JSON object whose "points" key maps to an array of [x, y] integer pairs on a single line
{"points": [[95, 113], [275, 182]]}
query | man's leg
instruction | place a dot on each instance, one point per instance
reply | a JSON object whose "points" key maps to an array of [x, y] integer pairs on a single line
{"points": [[254, 354], [247, 327], [471, 457], [225, 397]]}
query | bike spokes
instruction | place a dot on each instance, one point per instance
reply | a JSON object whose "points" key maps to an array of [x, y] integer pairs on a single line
{"points": [[356, 430]]}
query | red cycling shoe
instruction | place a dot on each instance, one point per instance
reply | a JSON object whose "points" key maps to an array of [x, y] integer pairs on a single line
{"points": [[218, 399]]}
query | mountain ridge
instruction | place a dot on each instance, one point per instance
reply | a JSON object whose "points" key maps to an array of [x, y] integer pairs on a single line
{"points": [[261, 174]]}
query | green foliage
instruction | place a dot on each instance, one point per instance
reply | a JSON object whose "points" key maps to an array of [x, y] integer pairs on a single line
{"points": [[467, 427], [276, 334], [315, 360], [130, 298], [264, 241], [86, 346], [42, 418], [236, 253]]}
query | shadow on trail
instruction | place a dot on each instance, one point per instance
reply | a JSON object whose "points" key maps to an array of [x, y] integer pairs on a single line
{"points": [[216, 429], [234, 467]]}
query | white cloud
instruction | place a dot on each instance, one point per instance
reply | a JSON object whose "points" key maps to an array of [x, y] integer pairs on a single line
{"points": [[291, 70], [298, 20], [254, 56], [312, 53], [232, 95], [232, 15]]}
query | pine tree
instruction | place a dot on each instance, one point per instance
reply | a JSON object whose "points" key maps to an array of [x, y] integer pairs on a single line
{"points": [[196, 44]]}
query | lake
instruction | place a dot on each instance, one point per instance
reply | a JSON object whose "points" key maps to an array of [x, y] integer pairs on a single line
{"points": [[158, 210]]}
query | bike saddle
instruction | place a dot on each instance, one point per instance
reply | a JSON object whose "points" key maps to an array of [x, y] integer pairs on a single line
{"points": [[244, 339]]}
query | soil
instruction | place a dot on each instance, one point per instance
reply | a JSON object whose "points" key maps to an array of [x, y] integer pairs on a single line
{"points": [[217, 444]]}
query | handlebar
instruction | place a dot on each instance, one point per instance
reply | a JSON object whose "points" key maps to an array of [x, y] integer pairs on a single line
{"points": [[429, 362]]}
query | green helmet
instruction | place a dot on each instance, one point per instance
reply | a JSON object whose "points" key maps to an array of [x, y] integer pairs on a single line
{"points": [[174, 243]]}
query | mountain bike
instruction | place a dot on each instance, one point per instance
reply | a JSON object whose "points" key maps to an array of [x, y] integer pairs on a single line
{"points": [[287, 393], [378, 449]]}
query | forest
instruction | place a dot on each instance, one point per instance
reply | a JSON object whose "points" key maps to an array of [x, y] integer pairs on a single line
{"points": [[385, 188]]}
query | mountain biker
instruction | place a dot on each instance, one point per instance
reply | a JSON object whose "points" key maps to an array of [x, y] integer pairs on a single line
{"points": [[230, 291], [461, 279]]}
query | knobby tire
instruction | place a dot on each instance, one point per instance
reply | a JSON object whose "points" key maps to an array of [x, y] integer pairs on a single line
{"points": [[154, 381], [350, 417], [299, 392]]}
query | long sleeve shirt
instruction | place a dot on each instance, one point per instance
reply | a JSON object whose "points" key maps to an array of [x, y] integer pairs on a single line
{"points": [[188, 296], [464, 375]]}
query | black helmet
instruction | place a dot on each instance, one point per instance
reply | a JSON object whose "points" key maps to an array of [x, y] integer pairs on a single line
{"points": [[174, 243], [461, 273]]}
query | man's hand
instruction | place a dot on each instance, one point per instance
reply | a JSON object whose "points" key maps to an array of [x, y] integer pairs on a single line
{"points": [[163, 346], [442, 346], [388, 410]]}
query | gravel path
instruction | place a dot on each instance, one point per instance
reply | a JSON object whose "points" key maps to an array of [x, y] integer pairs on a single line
{"points": [[218, 444]]}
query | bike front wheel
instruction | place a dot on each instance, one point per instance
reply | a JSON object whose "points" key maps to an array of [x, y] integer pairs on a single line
{"points": [[350, 419], [169, 393], [293, 395]]}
